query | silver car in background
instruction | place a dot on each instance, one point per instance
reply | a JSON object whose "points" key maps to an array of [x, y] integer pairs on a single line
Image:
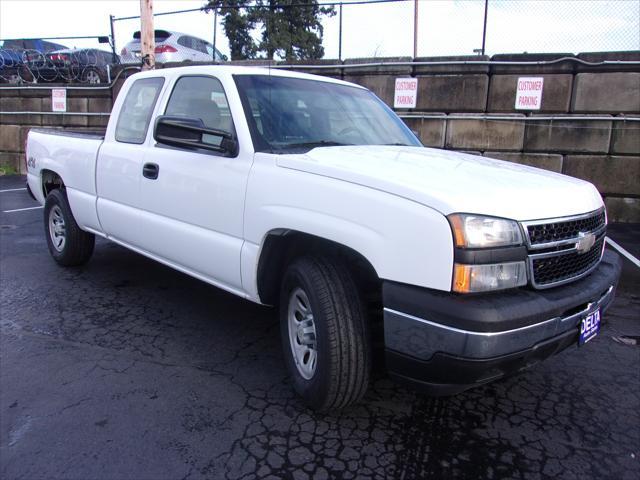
{"points": [[172, 47]]}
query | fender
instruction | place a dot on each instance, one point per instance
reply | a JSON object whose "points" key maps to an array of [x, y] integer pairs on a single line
{"points": [[412, 245]]}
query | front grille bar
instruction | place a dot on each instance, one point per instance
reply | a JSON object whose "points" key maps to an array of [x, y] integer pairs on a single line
{"points": [[600, 244], [539, 251], [557, 221]]}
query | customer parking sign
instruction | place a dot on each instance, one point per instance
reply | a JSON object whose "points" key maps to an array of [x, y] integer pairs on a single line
{"points": [[529, 93], [58, 100], [406, 92]]}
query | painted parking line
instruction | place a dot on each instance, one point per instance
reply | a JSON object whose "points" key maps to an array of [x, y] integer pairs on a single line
{"points": [[12, 190], [23, 209], [622, 251]]}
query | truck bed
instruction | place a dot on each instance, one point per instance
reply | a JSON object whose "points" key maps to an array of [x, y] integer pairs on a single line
{"points": [[71, 154], [97, 134]]}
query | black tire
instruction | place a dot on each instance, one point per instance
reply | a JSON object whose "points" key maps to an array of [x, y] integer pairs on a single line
{"points": [[78, 244], [93, 75], [343, 362]]}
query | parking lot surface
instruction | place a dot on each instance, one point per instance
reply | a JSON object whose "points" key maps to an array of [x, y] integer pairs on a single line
{"points": [[126, 369]]}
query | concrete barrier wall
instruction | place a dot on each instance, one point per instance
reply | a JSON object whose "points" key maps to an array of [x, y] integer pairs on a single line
{"points": [[605, 151], [14, 128]]}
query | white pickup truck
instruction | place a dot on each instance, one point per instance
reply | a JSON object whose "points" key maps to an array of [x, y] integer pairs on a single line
{"points": [[309, 193]]}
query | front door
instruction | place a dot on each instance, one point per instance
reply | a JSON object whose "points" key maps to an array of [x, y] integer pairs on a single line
{"points": [[192, 212]]}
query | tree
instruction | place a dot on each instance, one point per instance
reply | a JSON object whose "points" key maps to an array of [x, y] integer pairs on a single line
{"points": [[289, 29], [237, 27]]}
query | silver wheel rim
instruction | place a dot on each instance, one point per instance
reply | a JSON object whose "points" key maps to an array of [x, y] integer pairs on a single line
{"points": [[302, 333], [92, 77], [57, 228]]}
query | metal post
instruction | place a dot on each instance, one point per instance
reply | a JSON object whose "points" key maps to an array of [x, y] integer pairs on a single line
{"points": [[215, 31], [484, 29], [147, 35], [340, 35], [415, 28], [113, 41]]}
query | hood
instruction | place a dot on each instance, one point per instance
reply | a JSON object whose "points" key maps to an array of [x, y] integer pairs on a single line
{"points": [[451, 181]]}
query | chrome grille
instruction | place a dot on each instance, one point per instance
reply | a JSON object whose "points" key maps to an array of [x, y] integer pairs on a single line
{"points": [[562, 230], [554, 256], [558, 268]]}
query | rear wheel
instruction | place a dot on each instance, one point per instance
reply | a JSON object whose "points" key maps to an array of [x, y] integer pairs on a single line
{"points": [[68, 244], [14, 78], [324, 333], [92, 75]]}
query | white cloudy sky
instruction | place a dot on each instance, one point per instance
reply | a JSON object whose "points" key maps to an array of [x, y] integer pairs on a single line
{"points": [[446, 27]]}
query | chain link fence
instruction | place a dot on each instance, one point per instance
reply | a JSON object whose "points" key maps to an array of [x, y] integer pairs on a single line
{"points": [[359, 29], [457, 27]]}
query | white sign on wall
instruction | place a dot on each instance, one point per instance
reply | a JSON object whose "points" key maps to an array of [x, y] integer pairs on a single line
{"points": [[58, 100], [529, 93], [406, 93]]}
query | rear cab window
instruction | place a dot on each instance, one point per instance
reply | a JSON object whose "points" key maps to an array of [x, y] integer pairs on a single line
{"points": [[135, 114]]}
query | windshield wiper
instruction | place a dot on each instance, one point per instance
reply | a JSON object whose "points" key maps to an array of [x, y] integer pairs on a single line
{"points": [[397, 144], [318, 143]]}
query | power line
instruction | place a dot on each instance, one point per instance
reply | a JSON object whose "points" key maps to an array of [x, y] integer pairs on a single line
{"points": [[291, 5]]}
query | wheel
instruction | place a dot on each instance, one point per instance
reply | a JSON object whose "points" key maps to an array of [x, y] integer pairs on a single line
{"points": [[324, 333], [68, 244], [92, 75], [14, 78]]}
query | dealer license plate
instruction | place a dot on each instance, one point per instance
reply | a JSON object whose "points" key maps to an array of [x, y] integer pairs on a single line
{"points": [[589, 327]]}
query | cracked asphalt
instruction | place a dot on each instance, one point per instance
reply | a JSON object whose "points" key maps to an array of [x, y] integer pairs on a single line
{"points": [[126, 369]]}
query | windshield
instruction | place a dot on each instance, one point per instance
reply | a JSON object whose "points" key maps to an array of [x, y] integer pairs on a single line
{"points": [[289, 115]]}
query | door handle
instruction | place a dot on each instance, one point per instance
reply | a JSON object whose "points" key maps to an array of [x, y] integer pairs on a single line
{"points": [[150, 171]]}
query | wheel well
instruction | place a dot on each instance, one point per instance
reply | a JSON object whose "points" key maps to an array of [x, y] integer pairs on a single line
{"points": [[50, 181], [281, 247]]}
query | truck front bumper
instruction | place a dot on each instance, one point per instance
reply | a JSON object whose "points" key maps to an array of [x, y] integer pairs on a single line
{"points": [[443, 343]]}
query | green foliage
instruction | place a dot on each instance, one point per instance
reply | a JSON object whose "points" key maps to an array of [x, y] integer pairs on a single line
{"points": [[237, 26], [280, 30], [8, 170]]}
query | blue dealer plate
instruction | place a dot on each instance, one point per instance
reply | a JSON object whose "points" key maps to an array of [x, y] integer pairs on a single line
{"points": [[589, 327]]}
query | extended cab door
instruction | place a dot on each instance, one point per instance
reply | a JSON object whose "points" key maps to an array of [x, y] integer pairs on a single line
{"points": [[192, 211], [120, 160]]}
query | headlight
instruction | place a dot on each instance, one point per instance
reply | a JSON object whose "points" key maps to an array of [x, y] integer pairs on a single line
{"points": [[479, 232], [475, 231], [482, 278]]}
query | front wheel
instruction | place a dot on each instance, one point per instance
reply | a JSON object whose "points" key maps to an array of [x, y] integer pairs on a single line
{"points": [[324, 333], [68, 244]]}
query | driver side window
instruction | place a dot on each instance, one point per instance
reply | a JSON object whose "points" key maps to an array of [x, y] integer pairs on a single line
{"points": [[201, 98]]}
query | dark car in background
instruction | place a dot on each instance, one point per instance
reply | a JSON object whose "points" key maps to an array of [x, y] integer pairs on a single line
{"points": [[86, 65], [10, 65], [19, 58]]}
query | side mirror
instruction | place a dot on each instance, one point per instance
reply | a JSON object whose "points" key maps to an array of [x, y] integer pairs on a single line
{"points": [[103, 40], [186, 132], [224, 58]]}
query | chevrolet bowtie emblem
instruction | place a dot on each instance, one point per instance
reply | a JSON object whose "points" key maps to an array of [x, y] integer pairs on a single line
{"points": [[585, 242]]}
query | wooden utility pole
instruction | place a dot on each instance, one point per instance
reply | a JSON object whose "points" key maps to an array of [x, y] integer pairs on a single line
{"points": [[415, 28], [147, 36]]}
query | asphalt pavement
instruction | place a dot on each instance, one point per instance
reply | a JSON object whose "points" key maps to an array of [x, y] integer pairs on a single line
{"points": [[126, 369]]}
